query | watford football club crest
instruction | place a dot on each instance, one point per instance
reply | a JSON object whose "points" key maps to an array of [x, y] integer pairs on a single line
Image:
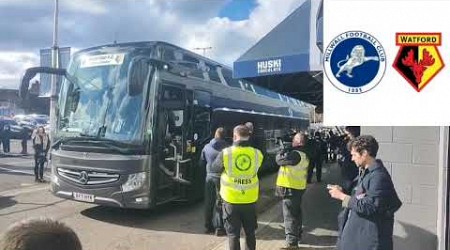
{"points": [[418, 59]]}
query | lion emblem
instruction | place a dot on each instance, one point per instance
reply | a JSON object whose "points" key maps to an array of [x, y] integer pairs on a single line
{"points": [[357, 58]]}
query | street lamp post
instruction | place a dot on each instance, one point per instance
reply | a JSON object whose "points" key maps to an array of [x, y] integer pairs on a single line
{"points": [[204, 49], [54, 79]]}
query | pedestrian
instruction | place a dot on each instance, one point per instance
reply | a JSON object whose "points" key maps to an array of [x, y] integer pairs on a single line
{"points": [[349, 170], [40, 234], [213, 204], [367, 220], [41, 145], [291, 184], [252, 138], [24, 137], [1, 133], [332, 146], [239, 187], [315, 144], [6, 138]]}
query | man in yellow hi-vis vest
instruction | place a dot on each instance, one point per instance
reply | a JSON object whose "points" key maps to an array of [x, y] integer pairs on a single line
{"points": [[291, 184], [239, 187]]}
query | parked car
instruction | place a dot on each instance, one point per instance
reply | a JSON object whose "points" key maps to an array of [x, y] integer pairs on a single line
{"points": [[16, 130]]}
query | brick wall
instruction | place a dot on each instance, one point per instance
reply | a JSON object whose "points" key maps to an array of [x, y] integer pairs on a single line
{"points": [[411, 154]]}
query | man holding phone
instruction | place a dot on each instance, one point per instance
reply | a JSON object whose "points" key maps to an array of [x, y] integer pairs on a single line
{"points": [[367, 221]]}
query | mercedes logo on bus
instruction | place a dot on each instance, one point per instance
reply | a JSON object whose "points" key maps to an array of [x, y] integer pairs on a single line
{"points": [[84, 177]]}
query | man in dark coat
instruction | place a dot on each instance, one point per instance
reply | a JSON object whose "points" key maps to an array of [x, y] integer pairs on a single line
{"points": [[315, 157], [367, 220], [212, 184]]}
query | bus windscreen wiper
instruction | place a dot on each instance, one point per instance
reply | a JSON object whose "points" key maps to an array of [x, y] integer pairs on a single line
{"points": [[107, 143]]}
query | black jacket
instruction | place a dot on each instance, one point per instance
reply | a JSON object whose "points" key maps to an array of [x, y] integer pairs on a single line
{"points": [[367, 223], [349, 170]]}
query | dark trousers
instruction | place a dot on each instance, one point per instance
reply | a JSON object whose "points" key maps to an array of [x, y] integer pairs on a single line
{"points": [[292, 214], [236, 216], [213, 209], [24, 146], [6, 148], [317, 164], [39, 162]]}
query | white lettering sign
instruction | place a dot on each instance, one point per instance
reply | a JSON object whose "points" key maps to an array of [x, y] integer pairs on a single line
{"points": [[269, 66], [101, 60]]}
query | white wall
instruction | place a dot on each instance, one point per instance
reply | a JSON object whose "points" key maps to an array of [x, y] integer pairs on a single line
{"points": [[412, 156]]}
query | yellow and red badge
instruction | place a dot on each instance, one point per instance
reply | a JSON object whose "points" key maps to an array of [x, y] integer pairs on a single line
{"points": [[418, 59]]}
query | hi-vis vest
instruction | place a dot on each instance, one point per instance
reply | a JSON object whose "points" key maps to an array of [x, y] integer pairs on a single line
{"points": [[239, 181], [294, 176]]}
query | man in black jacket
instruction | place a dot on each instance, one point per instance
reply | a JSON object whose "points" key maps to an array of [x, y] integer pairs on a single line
{"points": [[349, 171], [367, 220]]}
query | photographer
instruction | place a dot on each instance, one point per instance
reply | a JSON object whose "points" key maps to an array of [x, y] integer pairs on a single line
{"points": [[41, 145]]}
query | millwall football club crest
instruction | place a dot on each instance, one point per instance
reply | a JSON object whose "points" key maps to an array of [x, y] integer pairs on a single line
{"points": [[354, 62], [418, 59]]}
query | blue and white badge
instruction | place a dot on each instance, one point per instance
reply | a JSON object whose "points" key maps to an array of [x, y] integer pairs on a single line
{"points": [[354, 62]]}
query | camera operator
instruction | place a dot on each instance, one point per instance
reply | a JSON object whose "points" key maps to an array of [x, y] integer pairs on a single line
{"points": [[291, 184], [41, 145]]}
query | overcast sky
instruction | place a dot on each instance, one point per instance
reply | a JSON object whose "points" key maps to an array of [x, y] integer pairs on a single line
{"points": [[230, 27]]}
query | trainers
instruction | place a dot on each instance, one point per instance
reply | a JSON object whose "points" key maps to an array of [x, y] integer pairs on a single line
{"points": [[290, 247]]}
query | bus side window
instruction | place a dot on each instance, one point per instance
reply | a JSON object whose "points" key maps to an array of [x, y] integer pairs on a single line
{"points": [[213, 74], [194, 64], [229, 79]]}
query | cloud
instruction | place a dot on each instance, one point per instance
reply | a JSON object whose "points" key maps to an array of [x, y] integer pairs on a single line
{"points": [[12, 62], [85, 23]]}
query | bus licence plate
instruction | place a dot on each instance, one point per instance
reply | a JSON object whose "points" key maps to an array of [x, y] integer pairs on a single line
{"points": [[83, 197]]}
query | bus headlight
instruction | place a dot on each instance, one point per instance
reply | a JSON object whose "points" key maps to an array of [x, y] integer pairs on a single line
{"points": [[134, 182]]}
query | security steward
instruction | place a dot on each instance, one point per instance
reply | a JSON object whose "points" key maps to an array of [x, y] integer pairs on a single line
{"points": [[239, 187], [291, 184]]}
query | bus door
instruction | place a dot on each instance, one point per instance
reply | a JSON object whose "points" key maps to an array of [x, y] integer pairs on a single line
{"points": [[175, 130], [202, 119]]}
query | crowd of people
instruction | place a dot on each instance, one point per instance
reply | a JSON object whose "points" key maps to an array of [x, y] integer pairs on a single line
{"points": [[41, 145], [368, 196], [367, 193]]}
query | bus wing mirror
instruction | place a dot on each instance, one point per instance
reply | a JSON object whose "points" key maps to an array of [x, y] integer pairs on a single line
{"points": [[137, 75], [24, 90]]}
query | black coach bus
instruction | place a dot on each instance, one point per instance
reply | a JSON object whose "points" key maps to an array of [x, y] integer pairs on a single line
{"points": [[132, 119]]}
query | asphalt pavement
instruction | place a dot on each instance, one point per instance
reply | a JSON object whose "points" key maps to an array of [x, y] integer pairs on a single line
{"points": [[174, 226]]}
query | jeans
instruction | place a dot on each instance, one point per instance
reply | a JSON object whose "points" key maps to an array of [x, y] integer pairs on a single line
{"points": [[213, 214]]}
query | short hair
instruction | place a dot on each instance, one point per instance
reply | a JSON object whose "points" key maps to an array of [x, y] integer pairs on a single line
{"points": [[242, 130], [299, 139], [355, 131], [219, 134], [40, 234], [364, 142], [249, 125]]}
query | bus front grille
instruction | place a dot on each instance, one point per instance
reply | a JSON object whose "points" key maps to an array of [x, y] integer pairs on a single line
{"points": [[87, 177]]}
